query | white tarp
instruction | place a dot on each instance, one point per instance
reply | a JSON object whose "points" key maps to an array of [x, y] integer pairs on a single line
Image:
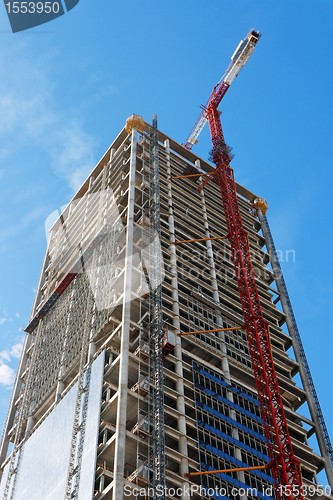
{"points": [[44, 462]]}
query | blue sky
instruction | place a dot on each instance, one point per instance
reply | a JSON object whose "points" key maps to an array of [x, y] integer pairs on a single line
{"points": [[67, 87]]}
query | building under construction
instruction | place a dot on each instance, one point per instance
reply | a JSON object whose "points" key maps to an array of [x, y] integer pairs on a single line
{"points": [[162, 358], [136, 370]]}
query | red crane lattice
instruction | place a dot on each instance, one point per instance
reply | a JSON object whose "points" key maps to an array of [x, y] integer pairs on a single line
{"points": [[284, 465]]}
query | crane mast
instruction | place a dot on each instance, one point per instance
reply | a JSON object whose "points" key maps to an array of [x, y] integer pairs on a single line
{"points": [[283, 463]]}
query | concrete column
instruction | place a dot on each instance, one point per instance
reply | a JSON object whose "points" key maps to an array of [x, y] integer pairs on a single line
{"points": [[120, 443], [59, 390], [112, 153], [41, 277], [92, 350], [180, 405], [216, 297], [214, 284], [30, 424]]}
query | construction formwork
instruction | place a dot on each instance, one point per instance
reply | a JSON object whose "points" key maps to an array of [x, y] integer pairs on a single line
{"points": [[136, 340]]}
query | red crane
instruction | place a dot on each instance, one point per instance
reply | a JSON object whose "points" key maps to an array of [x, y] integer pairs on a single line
{"points": [[283, 463]]}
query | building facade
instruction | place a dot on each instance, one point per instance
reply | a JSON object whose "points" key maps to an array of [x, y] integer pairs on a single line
{"points": [[136, 369]]}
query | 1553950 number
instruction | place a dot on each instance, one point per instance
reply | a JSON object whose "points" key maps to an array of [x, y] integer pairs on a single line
{"points": [[33, 7]]}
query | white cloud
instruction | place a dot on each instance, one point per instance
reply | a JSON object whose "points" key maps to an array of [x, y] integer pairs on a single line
{"points": [[29, 113], [16, 350], [24, 94], [36, 214], [3, 320], [4, 356], [73, 154], [9, 232], [7, 375], [13, 351]]}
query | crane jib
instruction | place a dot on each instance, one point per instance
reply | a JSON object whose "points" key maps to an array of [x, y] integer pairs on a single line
{"points": [[239, 58]]}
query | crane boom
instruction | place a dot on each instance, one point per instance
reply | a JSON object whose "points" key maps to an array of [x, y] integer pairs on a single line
{"points": [[239, 58]]}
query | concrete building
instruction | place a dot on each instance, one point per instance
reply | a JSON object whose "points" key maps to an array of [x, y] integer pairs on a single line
{"points": [[111, 396]]}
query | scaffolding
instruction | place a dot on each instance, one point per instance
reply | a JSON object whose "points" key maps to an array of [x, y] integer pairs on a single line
{"points": [[157, 321], [151, 455]]}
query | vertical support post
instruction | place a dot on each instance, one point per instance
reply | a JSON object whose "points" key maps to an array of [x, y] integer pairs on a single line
{"points": [[41, 278], [180, 405], [120, 444]]}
